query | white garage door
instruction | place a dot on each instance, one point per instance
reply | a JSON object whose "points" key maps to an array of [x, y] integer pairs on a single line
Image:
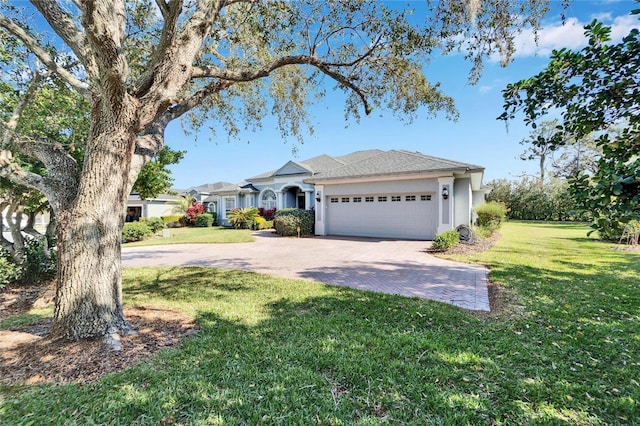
{"points": [[410, 216]]}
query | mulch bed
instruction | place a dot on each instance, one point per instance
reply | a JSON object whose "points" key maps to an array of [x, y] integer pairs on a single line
{"points": [[28, 355]]}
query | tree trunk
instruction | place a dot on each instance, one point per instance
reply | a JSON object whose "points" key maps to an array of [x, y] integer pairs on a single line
{"points": [[89, 283], [89, 292]]}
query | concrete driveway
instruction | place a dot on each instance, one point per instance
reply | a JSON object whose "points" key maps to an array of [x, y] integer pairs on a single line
{"points": [[389, 266]]}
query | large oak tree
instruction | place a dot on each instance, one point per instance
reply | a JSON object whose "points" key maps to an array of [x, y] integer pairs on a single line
{"points": [[141, 64]]}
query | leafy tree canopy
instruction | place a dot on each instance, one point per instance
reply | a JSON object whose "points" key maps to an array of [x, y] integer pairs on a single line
{"points": [[597, 91], [155, 177]]}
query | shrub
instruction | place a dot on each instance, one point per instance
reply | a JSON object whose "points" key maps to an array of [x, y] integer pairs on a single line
{"points": [[268, 214], [287, 226], [242, 218], [491, 215], [135, 231], [305, 219], [204, 220], [171, 218], [445, 240], [39, 262], [214, 216], [483, 232], [193, 212], [9, 272], [155, 224], [258, 223]]}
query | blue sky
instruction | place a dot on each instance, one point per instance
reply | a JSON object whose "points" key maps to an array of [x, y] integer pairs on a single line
{"points": [[476, 137]]}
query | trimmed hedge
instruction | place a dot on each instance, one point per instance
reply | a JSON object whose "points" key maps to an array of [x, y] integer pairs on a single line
{"points": [[135, 231], [445, 240], [287, 222], [204, 220]]}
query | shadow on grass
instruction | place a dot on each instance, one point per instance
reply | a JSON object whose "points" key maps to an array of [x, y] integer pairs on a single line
{"points": [[361, 358], [184, 284]]}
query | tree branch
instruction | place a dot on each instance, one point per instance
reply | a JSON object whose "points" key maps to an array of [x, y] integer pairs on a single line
{"points": [[171, 13], [104, 24], [12, 171], [12, 124], [33, 46], [244, 76], [63, 172], [64, 26], [175, 63], [164, 8]]}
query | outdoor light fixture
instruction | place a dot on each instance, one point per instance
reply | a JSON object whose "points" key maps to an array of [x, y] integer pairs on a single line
{"points": [[319, 196], [445, 193]]}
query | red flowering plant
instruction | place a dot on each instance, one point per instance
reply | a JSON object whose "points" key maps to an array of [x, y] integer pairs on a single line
{"points": [[194, 211], [267, 214]]}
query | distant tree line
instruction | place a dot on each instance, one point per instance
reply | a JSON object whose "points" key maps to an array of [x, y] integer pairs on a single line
{"points": [[526, 199]]}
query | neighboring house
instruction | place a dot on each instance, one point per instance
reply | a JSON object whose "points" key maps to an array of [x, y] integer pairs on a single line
{"points": [[200, 193], [168, 204], [162, 205], [373, 193]]}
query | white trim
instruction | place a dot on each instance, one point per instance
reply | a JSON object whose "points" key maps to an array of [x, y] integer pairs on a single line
{"points": [[261, 194], [445, 207]]}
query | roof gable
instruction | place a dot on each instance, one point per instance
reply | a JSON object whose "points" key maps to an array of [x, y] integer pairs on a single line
{"points": [[292, 168]]}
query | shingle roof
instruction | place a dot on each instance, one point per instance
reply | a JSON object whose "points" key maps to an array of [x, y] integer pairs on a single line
{"points": [[208, 187], [394, 162], [323, 163], [359, 156], [320, 163]]}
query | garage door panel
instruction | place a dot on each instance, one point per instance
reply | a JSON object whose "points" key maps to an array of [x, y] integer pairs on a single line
{"points": [[391, 219]]}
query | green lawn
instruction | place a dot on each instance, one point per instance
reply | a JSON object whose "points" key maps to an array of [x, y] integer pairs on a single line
{"points": [[278, 351], [190, 235]]}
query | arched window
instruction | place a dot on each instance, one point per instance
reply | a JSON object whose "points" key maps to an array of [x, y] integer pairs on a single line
{"points": [[268, 200]]}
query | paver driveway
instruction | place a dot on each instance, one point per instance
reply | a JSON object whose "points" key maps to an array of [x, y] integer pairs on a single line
{"points": [[388, 266]]}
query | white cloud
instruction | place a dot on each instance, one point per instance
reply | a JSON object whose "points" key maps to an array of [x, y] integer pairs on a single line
{"points": [[603, 17], [570, 35], [622, 25]]}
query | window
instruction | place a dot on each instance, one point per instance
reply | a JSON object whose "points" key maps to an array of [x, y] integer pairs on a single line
{"points": [[382, 199], [368, 199], [268, 200], [410, 198], [229, 204], [357, 199], [345, 199], [425, 198], [396, 198], [334, 199]]}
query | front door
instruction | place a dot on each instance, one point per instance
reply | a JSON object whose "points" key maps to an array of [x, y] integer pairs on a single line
{"points": [[301, 200]]}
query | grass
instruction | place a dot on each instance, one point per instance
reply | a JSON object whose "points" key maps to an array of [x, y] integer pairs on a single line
{"points": [[33, 316], [190, 235], [279, 351]]}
